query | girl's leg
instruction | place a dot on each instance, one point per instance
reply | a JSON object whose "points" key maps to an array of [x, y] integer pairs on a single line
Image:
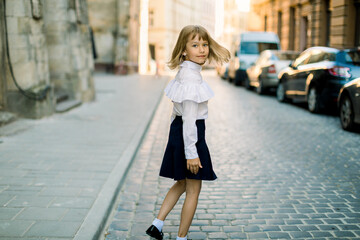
{"points": [[193, 188], [171, 199]]}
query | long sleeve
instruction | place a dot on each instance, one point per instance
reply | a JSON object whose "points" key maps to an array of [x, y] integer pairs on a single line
{"points": [[189, 116]]}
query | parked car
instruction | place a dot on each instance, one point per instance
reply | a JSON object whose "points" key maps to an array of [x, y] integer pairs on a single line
{"points": [[349, 104], [263, 74], [223, 70], [248, 50], [317, 76]]}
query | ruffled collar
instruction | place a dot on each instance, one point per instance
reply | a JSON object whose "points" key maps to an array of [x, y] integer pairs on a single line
{"points": [[191, 65]]}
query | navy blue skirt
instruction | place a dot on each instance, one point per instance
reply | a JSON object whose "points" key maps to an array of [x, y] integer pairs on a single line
{"points": [[174, 161]]}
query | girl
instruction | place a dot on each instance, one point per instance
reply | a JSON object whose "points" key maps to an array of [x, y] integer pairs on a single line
{"points": [[187, 158]]}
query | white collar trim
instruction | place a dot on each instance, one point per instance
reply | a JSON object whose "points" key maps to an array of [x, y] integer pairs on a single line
{"points": [[191, 65]]}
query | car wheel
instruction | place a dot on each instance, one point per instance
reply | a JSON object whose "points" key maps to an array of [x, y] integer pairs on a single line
{"points": [[260, 88], [313, 100], [280, 93], [346, 113]]}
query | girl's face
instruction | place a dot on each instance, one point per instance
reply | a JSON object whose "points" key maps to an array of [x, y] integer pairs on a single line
{"points": [[197, 50]]}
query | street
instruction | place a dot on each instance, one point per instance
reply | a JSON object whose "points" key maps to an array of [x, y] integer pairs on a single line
{"points": [[283, 173]]}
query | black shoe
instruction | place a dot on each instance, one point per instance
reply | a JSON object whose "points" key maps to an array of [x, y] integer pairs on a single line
{"points": [[154, 232]]}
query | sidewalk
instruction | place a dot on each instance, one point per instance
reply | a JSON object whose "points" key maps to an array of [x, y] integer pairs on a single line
{"points": [[59, 175]]}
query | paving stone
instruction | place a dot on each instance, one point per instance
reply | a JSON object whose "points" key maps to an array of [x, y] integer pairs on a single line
{"points": [[232, 229], [210, 228], [237, 235], [340, 234], [321, 234], [300, 235], [251, 229], [328, 227], [257, 235], [15, 228], [9, 213], [34, 213], [53, 229], [277, 235], [34, 201], [217, 235], [197, 235]]}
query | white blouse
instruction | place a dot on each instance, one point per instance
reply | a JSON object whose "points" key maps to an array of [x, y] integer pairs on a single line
{"points": [[190, 95]]}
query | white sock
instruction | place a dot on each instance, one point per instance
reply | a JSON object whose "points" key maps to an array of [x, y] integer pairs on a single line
{"points": [[180, 238], [158, 224]]}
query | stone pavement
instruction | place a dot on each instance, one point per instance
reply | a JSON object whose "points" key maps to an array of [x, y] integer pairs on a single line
{"points": [[59, 175], [283, 173]]}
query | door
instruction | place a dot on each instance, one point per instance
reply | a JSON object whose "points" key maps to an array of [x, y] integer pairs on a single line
{"points": [[296, 74]]}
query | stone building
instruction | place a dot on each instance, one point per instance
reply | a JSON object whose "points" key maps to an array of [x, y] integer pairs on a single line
{"points": [[115, 24], [46, 56], [304, 23], [235, 22], [168, 17]]}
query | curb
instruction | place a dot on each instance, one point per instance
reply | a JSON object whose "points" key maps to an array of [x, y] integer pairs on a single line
{"points": [[93, 225]]}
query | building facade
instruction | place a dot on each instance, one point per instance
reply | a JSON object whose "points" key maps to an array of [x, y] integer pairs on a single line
{"points": [[304, 23], [46, 56], [167, 18], [115, 24], [235, 22]]}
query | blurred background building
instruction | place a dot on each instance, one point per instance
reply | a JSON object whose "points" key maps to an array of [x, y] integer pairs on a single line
{"points": [[304, 23], [46, 56], [235, 22], [116, 24]]}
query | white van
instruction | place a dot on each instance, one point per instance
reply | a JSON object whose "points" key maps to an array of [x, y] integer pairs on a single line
{"points": [[251, 44]]}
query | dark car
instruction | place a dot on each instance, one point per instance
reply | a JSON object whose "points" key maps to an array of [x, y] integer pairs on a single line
{"points": [[263, 74], [349, 104], [317, 76]]}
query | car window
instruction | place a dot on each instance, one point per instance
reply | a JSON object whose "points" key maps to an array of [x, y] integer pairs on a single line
{"points": [[302, 59], [255, 47], [350, 57], [275, 57], [286, 56], [329, 57], [316, 56]]}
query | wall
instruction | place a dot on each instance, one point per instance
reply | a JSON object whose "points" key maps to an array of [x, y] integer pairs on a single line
{"points": [[316, 22], [114, 23], [50, 56], [29, 62]]}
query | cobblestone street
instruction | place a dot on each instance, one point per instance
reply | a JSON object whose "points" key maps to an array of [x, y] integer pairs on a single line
{"points": [[283, 173]]}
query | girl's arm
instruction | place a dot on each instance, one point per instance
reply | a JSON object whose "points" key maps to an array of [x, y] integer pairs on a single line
{"points": [[189, 117]]}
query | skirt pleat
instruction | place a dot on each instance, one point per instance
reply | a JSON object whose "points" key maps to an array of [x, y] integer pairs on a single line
{"points": [[174, 161]]}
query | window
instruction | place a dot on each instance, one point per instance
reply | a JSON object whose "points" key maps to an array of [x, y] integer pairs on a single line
{"points": [[256, 48], [285, 56], [292, 29], [357, 20], [349, 57], [304, 32], [316, 56], [302, 59], [265, 23], [328, 22], [151, 18], [279, 24]]}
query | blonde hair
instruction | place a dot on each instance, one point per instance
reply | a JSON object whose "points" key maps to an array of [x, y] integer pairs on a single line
{"points": [[216, 51]]}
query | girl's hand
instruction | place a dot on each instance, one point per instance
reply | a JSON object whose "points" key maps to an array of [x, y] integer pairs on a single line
{"points": [[193, 165]]}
